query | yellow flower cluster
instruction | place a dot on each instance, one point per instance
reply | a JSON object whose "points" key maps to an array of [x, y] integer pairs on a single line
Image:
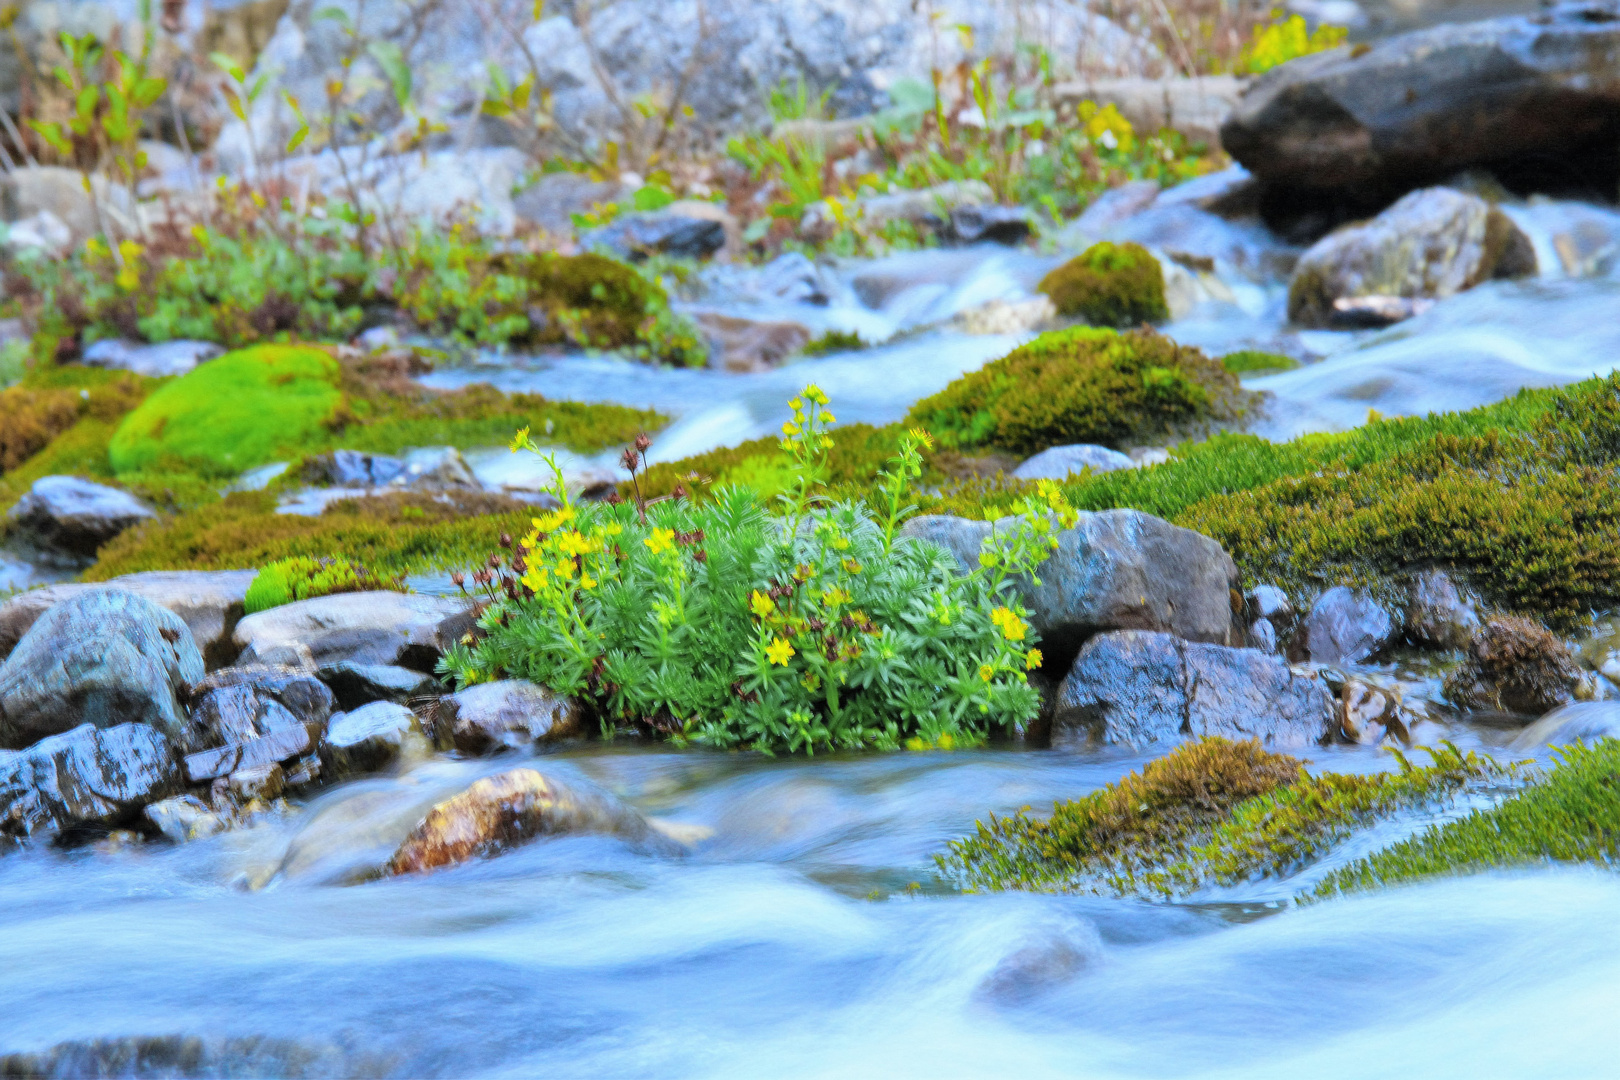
{"points": [[1012, 627]]}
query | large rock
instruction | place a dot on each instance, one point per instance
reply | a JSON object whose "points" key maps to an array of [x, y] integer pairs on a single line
{"points": [[355, 685], [1535, 98], [155, 360], [1438, 613], [1431, 244], [1346, 627], [106, 657], [1060, 462], [299, 690], [53, 190], [381, 627], [505, 810], [371, 738], [208, 601], [68, 519], [688, 234], [352, 468], [1136, 688], [1115, 570], [506, 714], [435, 468], [1516, 666], [84, 778], [739, 344], [927, 208]]}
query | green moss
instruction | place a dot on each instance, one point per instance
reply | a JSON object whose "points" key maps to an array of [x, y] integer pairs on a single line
{"points": [[859, 452], [1570, 815], [392, 535], [101, 400], [833, 341], [1251, 361], [244, 409], [1081, 386], [303, 577], [1210, 812], [1109, 285]]}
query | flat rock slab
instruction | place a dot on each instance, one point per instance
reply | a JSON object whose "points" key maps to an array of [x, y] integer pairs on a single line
{"points": [[355, 685], [67, 519], [209, 601], [1135, 688], [281, 744], [86, 777], [105, 657], [379, 627]]}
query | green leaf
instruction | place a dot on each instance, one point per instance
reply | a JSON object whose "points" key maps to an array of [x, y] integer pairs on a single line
{"points": [[258, 88], [394, 68], [148, 90], [336, 14], [55, 135], [228, 66], [298, 138], [89, 97]]}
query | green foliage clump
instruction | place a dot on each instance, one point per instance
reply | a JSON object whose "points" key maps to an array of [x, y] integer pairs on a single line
{"points": [[713, 623], [30, 419], [1571, 814], [1081, 385], [303, 577], [243, 409], [1209, 812], [1251, 361], [1284, 40], [833, 341], [1109, 285], [858, 454]]}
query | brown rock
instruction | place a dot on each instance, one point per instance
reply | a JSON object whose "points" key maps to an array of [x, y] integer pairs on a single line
{"points": [[750, 344], [1514, 665]]}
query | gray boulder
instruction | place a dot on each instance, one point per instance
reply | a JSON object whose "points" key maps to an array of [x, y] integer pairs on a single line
{"points": [[1533, 97], [67, 519], [351, 468], [1059, 462], [156, 360], [552, 201], [1430, 245], [977, 223], [435, 468], [1438, 614], [380, 627], [355, 685], [1346, 627], [182, 818], [740, 344], [208, 601], [299, 690], [85, 778], [663, 232], [371, 738], [278, 744], [1134, 688], [1115, 570], [105, 657], [510, 713]]}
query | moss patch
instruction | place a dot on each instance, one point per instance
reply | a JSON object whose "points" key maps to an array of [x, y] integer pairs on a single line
{"points": [[1253, 362], [303, 578], [1081, 386], [1570, 815], [244, 409], [1209, 812], [1109, 285], [100, 399]]}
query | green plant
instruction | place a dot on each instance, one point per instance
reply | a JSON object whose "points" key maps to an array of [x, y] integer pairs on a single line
{"points": [[1285, 40], [1080, 385], [710, 622], [243, 409], [1109, 285], [305, 578], [833, 341], [1570, 814], [1250, 361]]}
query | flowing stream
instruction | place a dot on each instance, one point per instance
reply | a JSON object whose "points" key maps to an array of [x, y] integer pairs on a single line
{"points": [[791, 942]]}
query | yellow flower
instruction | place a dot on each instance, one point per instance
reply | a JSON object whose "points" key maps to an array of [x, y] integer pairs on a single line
{"points": [[1033, 659], [986, 672], [554, 520], [1012, 627], [129, 278], [922, 437], [760, 604], [834, 597], [829, 418], [778, 651], [813, 392], [565, 569], [852, 566], [519, 439], [660, 541], [796, 405], [587, 581], [537, 579], [989, 558], [790, 429]]}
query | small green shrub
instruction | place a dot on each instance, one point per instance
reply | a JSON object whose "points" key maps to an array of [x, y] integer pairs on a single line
{"points": [[833, 341], [1081, 385], [1109, 284], [244, 409], [711, 622], [1209, 812], [1251, 361], [1569, 815], [304, 578]]}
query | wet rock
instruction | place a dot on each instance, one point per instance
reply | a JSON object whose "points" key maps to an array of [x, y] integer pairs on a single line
{"points": [[194, 1055], [505, 810], [1374, 312], [684, 232], [259, 783], [1261, 635], [67, 519], [1438, 614], [1060, 462], [927, 208], [435, 468], [974, 223], [1115, 570], [353, 469], [552, 201], [1026, 972], [1005, 316], [284, 740], [105, 657], [208, 601], [1579, 721], [1272, 619], [1368, 713], [380, 627], [299, 690], [1346, 627], [1430, 245], [506, 714], [371, 738], [1514, 665], [738, 344], [1108, 210], [84, 778], [355, 685], [1135, 688], [1533, 98], [184, 818], [157, 360]]}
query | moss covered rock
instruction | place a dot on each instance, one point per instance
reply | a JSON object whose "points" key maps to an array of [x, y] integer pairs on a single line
{"points": [[1082, 385], [243, 409], [305, 577], [1109, 285], [1514, 665]]}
